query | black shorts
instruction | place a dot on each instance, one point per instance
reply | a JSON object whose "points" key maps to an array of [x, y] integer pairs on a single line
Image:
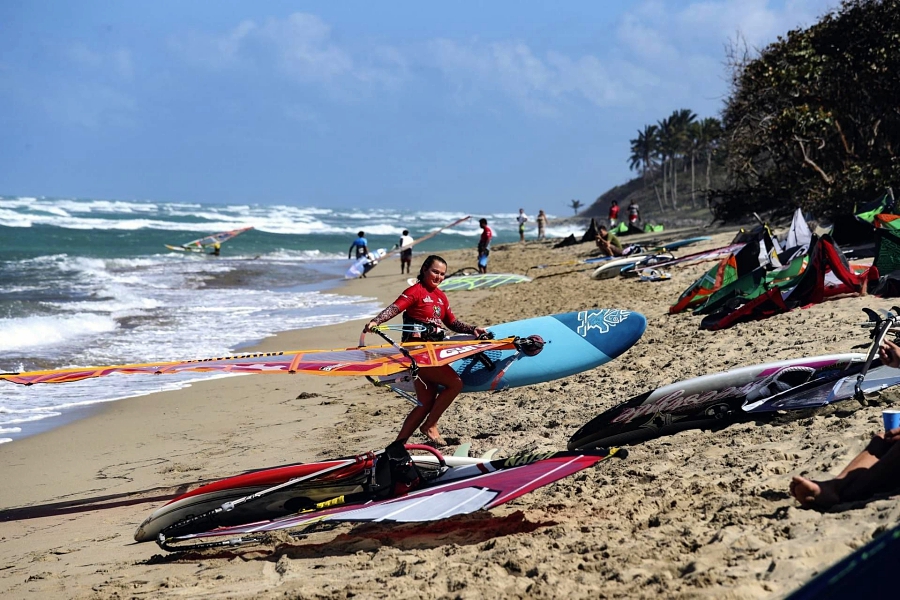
{"points": [[406, 255]]}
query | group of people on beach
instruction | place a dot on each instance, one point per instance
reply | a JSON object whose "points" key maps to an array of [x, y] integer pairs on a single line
{"points": [[875, 469]]}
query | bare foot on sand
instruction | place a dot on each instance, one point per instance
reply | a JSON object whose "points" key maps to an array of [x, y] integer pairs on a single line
{"points": [[433, 436], [811, 493]]}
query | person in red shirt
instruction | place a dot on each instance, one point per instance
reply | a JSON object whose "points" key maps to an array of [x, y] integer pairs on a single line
{"points": [[613, 213], [484, 245], [436, 387]]}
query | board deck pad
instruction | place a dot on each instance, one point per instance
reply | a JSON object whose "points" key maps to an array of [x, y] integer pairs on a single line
{"points": [[574, 342], [719, 398]]}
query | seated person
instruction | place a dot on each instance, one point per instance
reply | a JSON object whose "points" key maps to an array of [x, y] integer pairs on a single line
{"points": [[875, 469], [608, 243]]}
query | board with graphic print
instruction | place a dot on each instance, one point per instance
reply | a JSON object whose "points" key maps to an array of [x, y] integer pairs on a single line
{"points": [[573, 342], [719, 399]]}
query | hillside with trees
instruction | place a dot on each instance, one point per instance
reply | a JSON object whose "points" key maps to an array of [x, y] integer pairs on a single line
{"points": [[812, 120]]}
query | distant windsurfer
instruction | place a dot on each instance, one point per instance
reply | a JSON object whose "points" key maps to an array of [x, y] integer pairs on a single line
{"points": [[436, 387], [217, 249], [362, 251], [361, 245], [875, 469], [484, 245], [406, 241]]}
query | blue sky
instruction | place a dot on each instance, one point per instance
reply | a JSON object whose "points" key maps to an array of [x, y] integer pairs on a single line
{"points": [[419, 105]]}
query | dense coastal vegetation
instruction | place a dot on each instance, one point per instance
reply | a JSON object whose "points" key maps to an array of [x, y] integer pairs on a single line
{"points": [[812, 120]]}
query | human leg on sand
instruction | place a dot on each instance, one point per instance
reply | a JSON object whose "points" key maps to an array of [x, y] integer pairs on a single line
{"points": [[874, 469], [434, 402]]}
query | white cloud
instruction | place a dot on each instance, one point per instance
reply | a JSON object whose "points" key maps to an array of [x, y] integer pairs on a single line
{"points": [[668, 52], [90, 106], [117, 61], [300, 45]]}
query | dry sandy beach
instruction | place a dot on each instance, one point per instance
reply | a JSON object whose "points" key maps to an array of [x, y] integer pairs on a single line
{"points": [[700, 514]]}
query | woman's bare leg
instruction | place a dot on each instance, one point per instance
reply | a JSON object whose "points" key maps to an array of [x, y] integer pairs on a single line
{"points": [[425, 393], [444, 376], [857, 477]]}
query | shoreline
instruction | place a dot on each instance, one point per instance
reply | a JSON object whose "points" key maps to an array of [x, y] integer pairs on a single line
{"points": [[699, 514]]}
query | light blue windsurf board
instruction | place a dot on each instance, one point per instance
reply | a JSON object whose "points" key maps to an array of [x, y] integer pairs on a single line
{"points": [[573, 342]]}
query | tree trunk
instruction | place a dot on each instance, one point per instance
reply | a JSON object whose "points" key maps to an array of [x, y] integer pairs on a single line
{"points": [[658, 199], [674, 185], [708, 164], [665, 172], [693, 189]]}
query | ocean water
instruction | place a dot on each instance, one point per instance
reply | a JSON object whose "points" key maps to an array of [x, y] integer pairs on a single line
{"points": [[89, 282]]}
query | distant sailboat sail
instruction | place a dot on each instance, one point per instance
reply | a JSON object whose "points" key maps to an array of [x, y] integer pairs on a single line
{"points": [[202, 244]]}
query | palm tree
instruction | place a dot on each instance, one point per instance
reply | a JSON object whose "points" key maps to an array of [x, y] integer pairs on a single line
{"points": [[710, 133], [680, 121], [666, 144], [575, 205], [643, 153]]}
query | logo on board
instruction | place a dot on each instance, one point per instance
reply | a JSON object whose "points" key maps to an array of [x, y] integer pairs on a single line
{"points": [[604, 320]]}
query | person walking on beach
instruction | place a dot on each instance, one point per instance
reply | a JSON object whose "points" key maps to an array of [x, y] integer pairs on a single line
{"points": [[613, 213], [361, 245], [436, 387], [875, 469], [522, 219], [405, 255], [608, 243], [541, 223], [484, 245]]}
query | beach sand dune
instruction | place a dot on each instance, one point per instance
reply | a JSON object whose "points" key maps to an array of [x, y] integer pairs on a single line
{"points": [[700, 514]]}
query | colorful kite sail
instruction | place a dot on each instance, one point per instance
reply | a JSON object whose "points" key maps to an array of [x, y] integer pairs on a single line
{"points": [[204, 243]]}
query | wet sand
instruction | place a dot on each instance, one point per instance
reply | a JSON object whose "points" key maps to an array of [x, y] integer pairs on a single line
{"points": [[700, 514]]}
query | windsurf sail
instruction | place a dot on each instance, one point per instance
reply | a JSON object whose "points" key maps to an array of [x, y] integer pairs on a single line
{"points": [[368, 360], [201, 244], [472, 487]]}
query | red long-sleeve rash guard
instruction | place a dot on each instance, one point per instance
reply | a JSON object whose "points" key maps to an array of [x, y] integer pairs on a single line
{"points": [[424, 306]]}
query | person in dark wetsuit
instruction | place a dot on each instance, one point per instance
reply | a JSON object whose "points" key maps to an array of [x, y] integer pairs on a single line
{"points": [[436, 387]]}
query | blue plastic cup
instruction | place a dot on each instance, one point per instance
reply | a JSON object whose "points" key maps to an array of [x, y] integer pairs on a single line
{"points": [[891, 419]]}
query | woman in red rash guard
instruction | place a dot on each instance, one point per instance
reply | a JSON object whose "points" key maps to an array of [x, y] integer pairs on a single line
{"points": [[424, 303]]}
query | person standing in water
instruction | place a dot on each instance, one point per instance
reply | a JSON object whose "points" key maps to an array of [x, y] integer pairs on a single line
{"points": [[522, 219], [436, 387], [541, 223], [484, 245], [405, 255], [361, 245]]}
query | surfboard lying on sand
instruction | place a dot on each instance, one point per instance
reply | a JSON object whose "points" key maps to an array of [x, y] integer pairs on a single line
{"points": [[573, 342], [328, 479], [720, 398], [482, 281], [444, 492]]}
